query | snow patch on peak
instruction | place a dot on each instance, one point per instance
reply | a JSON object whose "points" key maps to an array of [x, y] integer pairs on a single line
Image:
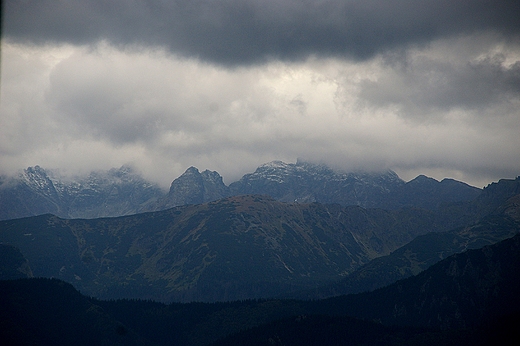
{"points": [[212, 176], [273, 164]]}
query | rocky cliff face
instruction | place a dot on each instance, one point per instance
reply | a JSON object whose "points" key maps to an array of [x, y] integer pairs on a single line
{"points": [[105, 193], [305, 182], [193, 187], [32, 192]]}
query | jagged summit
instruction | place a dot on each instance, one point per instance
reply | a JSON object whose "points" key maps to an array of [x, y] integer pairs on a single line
{"points": [[273, 164], [301, 182], [122, 191], [101, 193], [193, 187], [37, 177], [307, 182]]}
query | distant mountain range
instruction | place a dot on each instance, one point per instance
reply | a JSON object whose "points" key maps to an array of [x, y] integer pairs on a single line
{"points": [[122, 191]]}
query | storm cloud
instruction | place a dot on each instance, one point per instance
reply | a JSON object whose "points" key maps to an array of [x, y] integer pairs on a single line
{"points": [[420, 87], [239, 32]]}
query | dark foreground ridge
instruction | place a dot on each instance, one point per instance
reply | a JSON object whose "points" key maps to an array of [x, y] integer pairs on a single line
{"points": [[466, 299]]}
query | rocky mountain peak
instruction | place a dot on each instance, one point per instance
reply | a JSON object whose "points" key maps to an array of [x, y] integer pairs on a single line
{"points": [[34, 175], [36, 178], [211, 175], [308, 182], [123, 191], [193, 187], [115, 192], [422, 178], [191, 171]]}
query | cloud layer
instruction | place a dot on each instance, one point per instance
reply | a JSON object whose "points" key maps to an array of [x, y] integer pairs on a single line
{"points": [[232, 32], [419, 87]]}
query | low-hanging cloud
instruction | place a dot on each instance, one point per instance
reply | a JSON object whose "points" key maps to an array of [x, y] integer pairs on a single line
{"points": [[241, 32]]}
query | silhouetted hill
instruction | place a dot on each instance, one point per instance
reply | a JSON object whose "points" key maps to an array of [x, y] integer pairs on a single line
{"points": [[428, 193], [466, 299], [52, 312], [462, 290], [317, 330], [12, 264]]}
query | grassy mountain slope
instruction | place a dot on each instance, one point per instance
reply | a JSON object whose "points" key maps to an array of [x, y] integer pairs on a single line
{"points": [[236, 248], [502, 221], [418, 255]]}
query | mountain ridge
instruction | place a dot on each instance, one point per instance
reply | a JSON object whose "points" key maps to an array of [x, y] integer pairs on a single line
{"points": [[239, 247], [467, 299], [122, 191], [99, 194], [246, 246]]}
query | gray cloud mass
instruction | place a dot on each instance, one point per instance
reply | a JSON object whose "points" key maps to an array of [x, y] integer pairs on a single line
{"points": [[238, 32], [420, 87], [426, 84]]}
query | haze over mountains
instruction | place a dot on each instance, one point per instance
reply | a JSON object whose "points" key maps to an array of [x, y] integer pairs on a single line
{"points": [[122, 191], [36, 191]]}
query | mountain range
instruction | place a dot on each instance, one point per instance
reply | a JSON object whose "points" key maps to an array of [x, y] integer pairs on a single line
{"points": [[36, 191], [427, 249], [122, 191], [247, 246], [382, 261], [253, 246]]}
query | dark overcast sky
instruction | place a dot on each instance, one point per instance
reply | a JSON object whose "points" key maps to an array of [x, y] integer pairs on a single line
{"points": [[242, 32], [427, 87]]}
